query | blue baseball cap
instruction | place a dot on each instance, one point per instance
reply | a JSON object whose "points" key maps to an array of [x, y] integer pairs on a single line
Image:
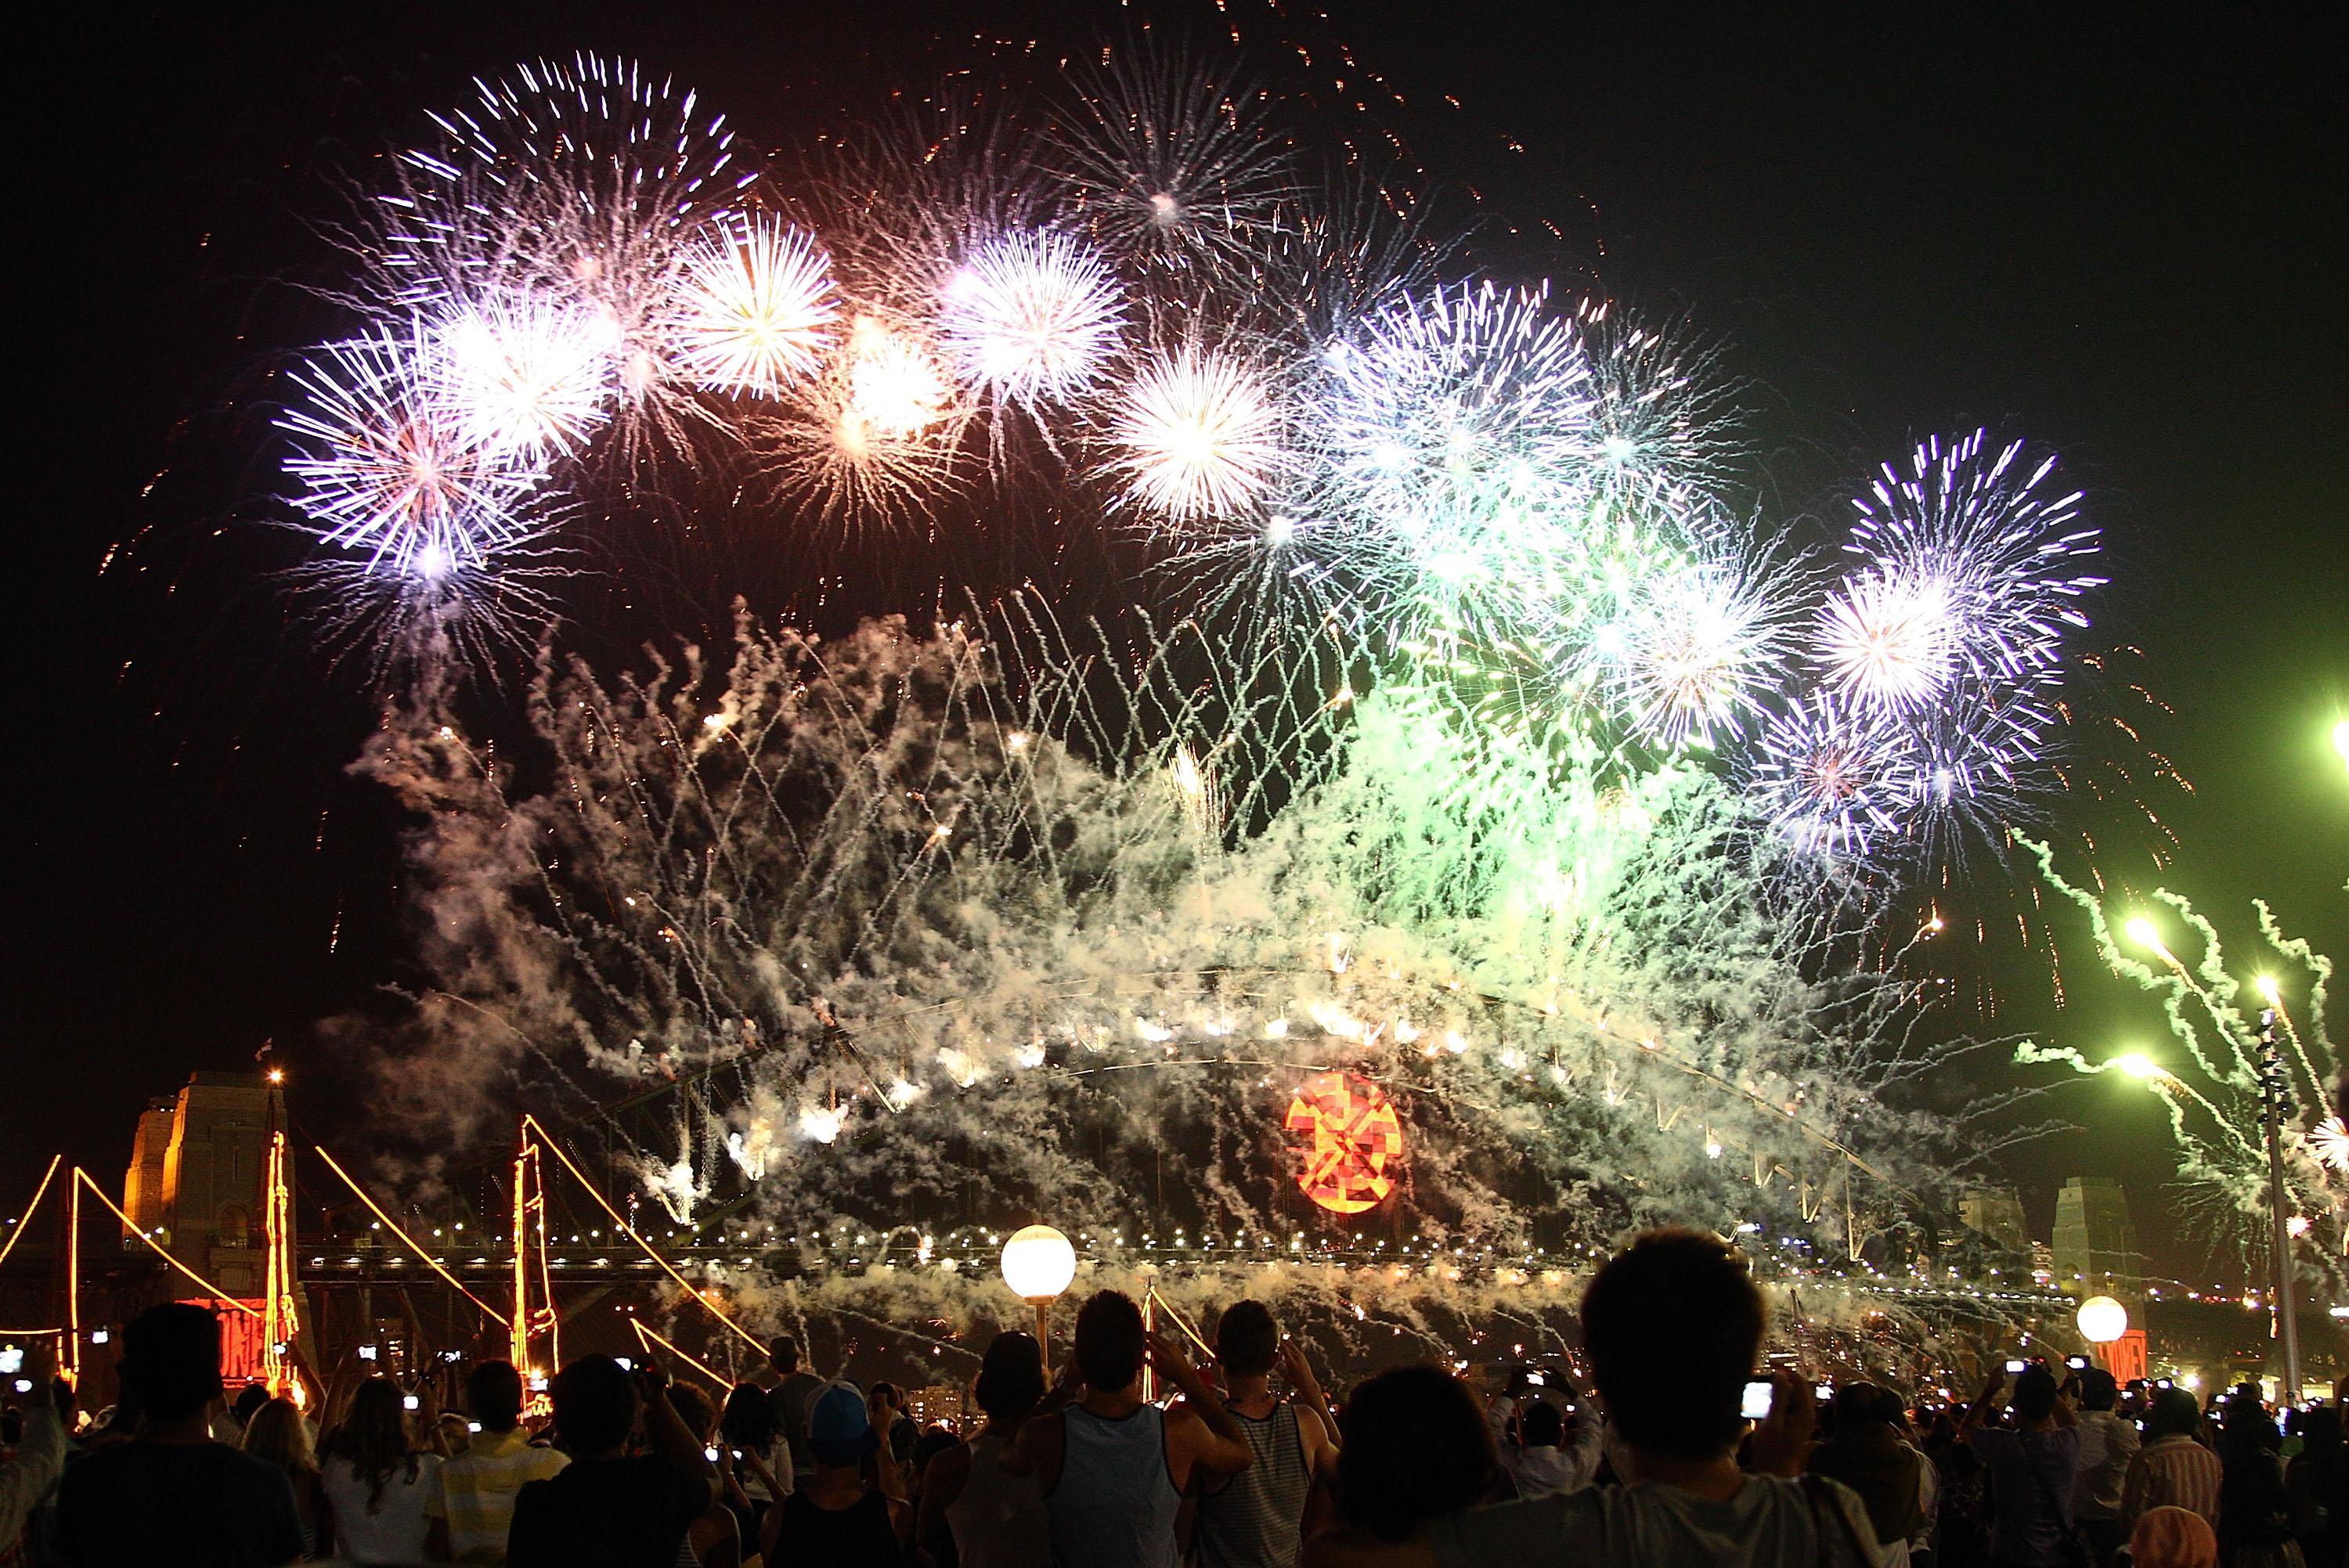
{"points": [[839, 1429]]}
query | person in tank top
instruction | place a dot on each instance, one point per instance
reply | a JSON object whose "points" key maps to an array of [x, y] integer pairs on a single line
{"points": [[1257, 1518], [975, 1512], [1113, 1468]]}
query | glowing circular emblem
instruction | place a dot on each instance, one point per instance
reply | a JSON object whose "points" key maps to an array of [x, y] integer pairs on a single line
{"points": [[1347, 1138]]}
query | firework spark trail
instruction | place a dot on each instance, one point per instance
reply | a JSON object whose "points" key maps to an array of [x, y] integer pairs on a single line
{"points": [[2320, 973], [2167, 982], [978, 912], [2222, 1174]]}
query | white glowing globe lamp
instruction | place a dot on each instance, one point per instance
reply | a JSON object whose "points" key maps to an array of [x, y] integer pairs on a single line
{"points": [[2102, 1320], [1038, 1263]]}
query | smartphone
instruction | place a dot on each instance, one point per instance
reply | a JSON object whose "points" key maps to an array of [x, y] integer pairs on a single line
{"points": [[1823, 1390], [2014, 1367], [1537, 1380], [2163, 1383], [2077, 1363], [410, 1402], [710, 1454], [625, 1364], [1755, 1406]]}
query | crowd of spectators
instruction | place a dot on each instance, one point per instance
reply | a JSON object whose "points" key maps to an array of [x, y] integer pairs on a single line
{"points": [[1686, 1448]]}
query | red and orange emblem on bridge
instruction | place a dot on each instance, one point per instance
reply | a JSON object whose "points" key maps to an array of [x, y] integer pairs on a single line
{"points": [[1348, 1141]]}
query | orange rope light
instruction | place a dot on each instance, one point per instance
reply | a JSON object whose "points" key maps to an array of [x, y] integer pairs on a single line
{"points": [[23, 1223], [529, 1215], [280, 1323], [649, 1338], [430, 1260], [82, 1179], [630, 1232], [72, 1356]]}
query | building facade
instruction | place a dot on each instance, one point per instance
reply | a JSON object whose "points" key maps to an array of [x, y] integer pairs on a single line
{"points": [[197, 1168]]}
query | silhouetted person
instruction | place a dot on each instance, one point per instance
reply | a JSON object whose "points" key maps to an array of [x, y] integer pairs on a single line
{"points": [[172, 1498], [473, 1495], [2031, 1468], [789, 1397], [1256, 1519], [1113, 1468], [608, 1509], [1673, 1325], [1866, 1454], [975, 1512]]}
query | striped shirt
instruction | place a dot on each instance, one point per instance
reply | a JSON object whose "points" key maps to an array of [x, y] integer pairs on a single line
{"points": [[2173, 1471], [474, 1492], [1257, 1519]]}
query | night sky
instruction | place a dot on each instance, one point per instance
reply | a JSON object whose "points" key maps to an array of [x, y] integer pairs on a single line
{"points": [[1902, 218]]}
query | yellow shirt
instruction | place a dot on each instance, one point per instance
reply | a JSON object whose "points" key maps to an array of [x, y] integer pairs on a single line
{"points": [[475, 1491]]}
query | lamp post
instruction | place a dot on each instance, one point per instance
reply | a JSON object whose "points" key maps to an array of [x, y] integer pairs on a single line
{"points": [[2275, 1104], [1037, 1265], [2101, 1321]]}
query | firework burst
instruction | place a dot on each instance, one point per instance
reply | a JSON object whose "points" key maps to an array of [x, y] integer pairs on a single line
{"points": [[1453, 404], [1197, 438], [523, 374], [1887, 640], [1698, 656], [1831, 779], [1032, 317], [755, 308], [386, 467], [1166, 158]]}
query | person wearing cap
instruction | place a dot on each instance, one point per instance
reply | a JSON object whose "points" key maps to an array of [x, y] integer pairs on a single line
{"points": [[1112, 1467], [836, 1519]]}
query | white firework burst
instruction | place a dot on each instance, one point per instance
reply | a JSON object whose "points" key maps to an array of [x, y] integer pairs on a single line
{"points": [[2328, 1142], [522, 373], [1032, 316], [1832, 778], [387, 468], [1450, 405], [754, 308], [1887, 639], [2002, 544], [1197, 438], [1167, 156], [1697, 657]]}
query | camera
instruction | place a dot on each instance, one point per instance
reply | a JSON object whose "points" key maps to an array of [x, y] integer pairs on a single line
{"points": [[1755, 1404]]}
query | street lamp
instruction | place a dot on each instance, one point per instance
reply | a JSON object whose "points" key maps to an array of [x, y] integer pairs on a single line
{"points": [[1037, 1265], [2101, 1320], [2275, 1104]]}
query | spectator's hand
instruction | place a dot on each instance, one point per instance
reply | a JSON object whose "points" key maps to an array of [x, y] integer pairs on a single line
{"points": [[61, 1399], [1294, 1367], [1993, 1388], [1781, 1441], [1168, 1358]]}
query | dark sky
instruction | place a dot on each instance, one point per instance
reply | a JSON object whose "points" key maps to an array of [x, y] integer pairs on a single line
{"points": [[2124, 242]]}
